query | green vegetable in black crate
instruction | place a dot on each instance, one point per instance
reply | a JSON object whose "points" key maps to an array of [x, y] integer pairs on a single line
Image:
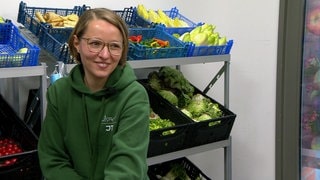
{"points": [[201, 108], [171, 79], [156, 122], [177, 171], [171, 84]]}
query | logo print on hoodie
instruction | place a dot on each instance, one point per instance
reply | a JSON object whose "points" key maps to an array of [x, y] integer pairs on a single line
{"points": [[108, 123]]}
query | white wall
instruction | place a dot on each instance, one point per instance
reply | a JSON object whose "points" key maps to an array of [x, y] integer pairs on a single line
{"points": [[252, 24]]}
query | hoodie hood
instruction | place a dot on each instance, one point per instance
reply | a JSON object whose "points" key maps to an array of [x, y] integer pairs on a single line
{"points": [[120, 78]]}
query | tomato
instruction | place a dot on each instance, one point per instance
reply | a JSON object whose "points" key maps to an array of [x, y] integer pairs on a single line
{"points": [[8, 146]]}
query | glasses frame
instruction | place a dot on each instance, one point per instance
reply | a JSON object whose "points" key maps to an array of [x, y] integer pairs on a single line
{"points": [[106, 44]]}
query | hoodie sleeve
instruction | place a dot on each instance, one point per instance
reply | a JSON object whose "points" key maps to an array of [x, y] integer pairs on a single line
{"points": [[54, 161], [128, 156]]}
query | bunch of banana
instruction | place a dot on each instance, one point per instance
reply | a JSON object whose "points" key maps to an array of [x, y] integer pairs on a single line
{"points": [[57, 20], [160, 17], [2, 20]]}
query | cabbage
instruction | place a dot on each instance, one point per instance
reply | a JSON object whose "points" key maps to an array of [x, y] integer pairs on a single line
{"points": [[169, 96]]}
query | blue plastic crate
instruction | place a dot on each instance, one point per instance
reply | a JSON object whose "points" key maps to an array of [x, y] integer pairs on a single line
{"points": [[210, 50], [140, 52], [27, 17], [54, 41], [173, 13], [11, 40], [130, 16]]}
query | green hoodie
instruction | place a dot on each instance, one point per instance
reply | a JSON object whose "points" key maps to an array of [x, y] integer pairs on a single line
{"points": [[95, 136]]}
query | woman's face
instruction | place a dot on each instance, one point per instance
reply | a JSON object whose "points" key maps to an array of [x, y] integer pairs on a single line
{"points": [[99, 64]]}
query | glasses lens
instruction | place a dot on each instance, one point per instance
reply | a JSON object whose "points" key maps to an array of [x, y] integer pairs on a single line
{"points": [[95, 45], [115, 48]]}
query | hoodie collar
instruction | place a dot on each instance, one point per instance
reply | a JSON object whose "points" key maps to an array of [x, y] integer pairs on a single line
{"points": [[121, 77]]}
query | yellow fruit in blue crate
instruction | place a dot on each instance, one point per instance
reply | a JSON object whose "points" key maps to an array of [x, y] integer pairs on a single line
{"points": [[213, 39], [176, 35], [2, 20], [142, 11], [208, 27], [222, 41], [185, 37], [180, 23], [200, 39], [23, 50], [162, 15], [153, 16]]}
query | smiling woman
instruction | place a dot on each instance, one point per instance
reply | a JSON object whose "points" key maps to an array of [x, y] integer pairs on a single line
{"points": [[112, 129]]}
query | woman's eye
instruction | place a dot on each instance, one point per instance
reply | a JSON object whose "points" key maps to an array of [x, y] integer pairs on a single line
{"points": [[114, 45]]}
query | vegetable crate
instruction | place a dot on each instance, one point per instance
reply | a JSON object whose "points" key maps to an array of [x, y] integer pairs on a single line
{"points": [[54, 41], [203, 131], [18, 158], [138, 51], [161, 141], [130, 16], [172, 13], [27, 15], [210, 50], [11, 41], [211, 130], [182, 165]]}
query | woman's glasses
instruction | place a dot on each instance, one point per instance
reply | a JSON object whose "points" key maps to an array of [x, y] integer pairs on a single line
{"points": [[96, 46]]}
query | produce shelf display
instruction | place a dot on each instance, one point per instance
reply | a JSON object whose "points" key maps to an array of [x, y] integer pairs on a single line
{"points": [[178, 25]]}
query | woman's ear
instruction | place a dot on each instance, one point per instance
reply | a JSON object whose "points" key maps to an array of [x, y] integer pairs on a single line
{"points": [[76, 42]]}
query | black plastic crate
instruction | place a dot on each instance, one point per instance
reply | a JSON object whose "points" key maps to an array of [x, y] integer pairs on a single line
{"points": [[26, 164], [160, 143], [162, 169], [211, 130], [207, 131]]}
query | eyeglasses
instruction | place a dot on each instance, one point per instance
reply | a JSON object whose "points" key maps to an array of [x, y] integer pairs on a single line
{"points": [[96, 46]]}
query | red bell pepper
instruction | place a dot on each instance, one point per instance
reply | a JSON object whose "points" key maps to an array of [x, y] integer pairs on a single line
{"points": [[136, 39]]}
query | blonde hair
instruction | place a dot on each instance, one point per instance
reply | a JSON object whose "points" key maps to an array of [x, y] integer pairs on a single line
{"points": [[104, 14]]}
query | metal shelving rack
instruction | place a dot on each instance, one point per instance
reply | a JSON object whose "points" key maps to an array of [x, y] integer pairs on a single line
{"points": [[27, 71], [145, 64], [225, 69]]}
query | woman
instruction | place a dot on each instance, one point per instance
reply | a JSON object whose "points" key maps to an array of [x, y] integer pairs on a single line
{"points": [[97, 119]]}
